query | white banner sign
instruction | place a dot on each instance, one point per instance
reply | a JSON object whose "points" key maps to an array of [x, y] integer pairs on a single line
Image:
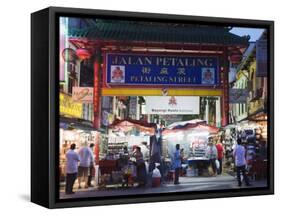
{"points": [[166, 105], [82, 94]]}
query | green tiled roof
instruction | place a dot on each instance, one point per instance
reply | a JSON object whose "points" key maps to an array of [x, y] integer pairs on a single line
{"points": [[158, 32]]}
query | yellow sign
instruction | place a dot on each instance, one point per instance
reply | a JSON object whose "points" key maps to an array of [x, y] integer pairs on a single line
{"points": [[159, 92], [70, 108]]}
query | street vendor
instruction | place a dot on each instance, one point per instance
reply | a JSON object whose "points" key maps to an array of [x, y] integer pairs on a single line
{"points": [[124, 157], [182, 155], [183, 162]]}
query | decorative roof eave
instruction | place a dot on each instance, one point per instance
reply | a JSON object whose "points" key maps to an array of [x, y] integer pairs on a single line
{"points": [[94, 40], [104, 32], [86, 43]]}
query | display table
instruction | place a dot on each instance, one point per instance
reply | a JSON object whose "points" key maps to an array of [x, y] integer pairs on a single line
{"points": [[107, 166], [114, 175], [200, 163]]}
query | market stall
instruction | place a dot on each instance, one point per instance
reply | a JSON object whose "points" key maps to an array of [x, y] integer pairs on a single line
{"points": [[254, 136], [117, 165], [193, 139]]}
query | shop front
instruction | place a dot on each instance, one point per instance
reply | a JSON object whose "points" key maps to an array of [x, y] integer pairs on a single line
{"points": [[118, 162], [258, 115], [73, 128]]}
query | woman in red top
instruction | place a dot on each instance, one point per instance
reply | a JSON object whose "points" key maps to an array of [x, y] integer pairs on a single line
{"points": [[220, 151]]}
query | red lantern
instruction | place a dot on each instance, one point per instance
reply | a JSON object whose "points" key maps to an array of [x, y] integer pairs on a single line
{"points": [[83, 53], [69, 55]]}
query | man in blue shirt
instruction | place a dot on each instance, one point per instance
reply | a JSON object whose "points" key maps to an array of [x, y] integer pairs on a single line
{"points": [[177, 164], [72, 159], [239, 154]]}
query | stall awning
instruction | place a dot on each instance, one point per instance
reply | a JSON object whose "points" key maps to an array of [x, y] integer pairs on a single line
{"points": [[259, 115], [129, 124], [71, 123], [191, 125]]}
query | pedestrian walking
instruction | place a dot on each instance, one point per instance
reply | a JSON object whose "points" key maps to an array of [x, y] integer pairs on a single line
{"points": [[91, 168], [72, 159], [212, 154], [86, 158], [220, 151], [239, 155], [177, 164]]}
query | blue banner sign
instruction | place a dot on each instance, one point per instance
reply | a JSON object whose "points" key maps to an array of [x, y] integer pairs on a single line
{"points": [[148, 69]]}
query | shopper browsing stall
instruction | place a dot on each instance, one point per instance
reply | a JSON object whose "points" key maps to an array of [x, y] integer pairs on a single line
{"points": [[141, 170], [86, 158], [212, 154], [239, 154], [220, 151]]}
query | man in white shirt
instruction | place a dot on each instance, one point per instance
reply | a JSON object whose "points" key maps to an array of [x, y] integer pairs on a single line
{"points": [[72, 159], [239, 154], [86, 158], [91, 169]]}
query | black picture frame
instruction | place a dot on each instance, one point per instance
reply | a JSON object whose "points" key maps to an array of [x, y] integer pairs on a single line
{"points": [[45, 111]]}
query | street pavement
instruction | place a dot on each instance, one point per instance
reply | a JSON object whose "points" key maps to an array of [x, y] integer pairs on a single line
{"points": [[224, 181]]}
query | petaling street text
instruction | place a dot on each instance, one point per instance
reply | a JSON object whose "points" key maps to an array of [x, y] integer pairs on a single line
{"points": [[163, 79]]}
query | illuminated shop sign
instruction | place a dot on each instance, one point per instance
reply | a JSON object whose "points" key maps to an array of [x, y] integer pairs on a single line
{"points": [[82, 94], [174, 105], [147, 69], [70, 108]]}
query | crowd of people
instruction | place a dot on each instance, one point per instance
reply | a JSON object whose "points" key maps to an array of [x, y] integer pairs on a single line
{"points": [[80, 164], [215, 154]]}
